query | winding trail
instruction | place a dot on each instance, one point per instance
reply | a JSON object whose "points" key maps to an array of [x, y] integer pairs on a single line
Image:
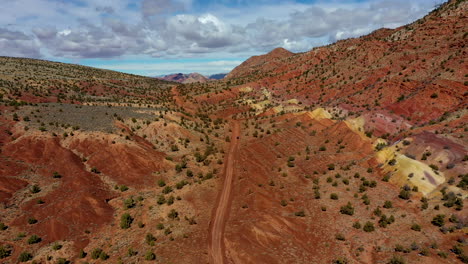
{"points": [[221, 211]]}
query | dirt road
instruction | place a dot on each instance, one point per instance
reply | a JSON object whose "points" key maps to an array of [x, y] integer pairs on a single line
{"points": [[221, 211]]}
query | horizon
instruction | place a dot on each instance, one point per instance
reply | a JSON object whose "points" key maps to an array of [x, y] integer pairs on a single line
{"points": [[161, 37]]}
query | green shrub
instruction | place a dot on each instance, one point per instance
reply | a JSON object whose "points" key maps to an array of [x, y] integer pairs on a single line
{"points": [[82, 254], [161, 183], [129, 203], [96, 253], [173, 214], [150, 239], [388, 205], [34, 239], [62, 261], [167, 189], [368, 227], [300, 213], [396, 260], [357, 225], [170, 200], [103, 256], [56, 246], [25, 256], [150, 255], [334, 196], [416, 227], [340, 237], [126, 221], [347, 209], [438, 220], [131, 252], [340, 261], [4, 252], [161, 200], [35, 188], [405, 194]]}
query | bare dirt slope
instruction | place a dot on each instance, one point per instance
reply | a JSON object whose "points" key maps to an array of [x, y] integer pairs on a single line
{"points": [[221, 211]]}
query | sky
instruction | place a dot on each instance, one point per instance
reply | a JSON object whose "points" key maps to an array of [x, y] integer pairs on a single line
{"points": [[157, 37]]}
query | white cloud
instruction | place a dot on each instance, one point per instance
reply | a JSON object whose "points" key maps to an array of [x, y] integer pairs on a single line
{"points": [[109, 28]]}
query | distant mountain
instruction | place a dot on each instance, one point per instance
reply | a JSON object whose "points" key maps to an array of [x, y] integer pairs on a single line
{"points": [[217, 76], [184, 78], [191, 77]]}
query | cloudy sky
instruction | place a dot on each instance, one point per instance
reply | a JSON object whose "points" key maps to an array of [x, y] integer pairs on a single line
{"points": [[155, 37]]}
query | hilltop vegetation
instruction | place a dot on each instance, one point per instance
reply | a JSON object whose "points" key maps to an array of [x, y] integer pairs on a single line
{"points": [[355, 152]]}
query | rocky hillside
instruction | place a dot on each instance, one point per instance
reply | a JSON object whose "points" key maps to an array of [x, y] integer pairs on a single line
{"points": [[417, 71], [355, 152]]}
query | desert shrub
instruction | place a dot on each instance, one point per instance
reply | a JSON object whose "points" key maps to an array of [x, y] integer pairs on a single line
{"points": [[368, 227], [126, 221], [340, 261], [103, 256], [340, 237], [161, 183], [167, 189], [405, 194], [173, 214], [357, 225], [416, 227], [150, 255], [170, 200], [181, 184], [96, 253], [388, 204], [161, 200], [396, 260], [82, 254], [300, 213], [32, 221], [56, 246], [34, 239], [334, 196], [438, 220], [25, 256], [35, 188], [4, 252], [131, 252], [347, 209], [129, 203], [150, 239], [62, 261]]}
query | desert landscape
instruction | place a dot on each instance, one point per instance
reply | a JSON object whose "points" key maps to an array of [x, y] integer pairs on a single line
{"points": [[353, 152]]}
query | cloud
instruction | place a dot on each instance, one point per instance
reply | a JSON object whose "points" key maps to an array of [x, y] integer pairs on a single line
{"points": [[18, 44], [156, 7], [173, 29]]}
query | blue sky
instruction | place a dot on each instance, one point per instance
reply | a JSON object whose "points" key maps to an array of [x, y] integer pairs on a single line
{"points": [[156, 37]]}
